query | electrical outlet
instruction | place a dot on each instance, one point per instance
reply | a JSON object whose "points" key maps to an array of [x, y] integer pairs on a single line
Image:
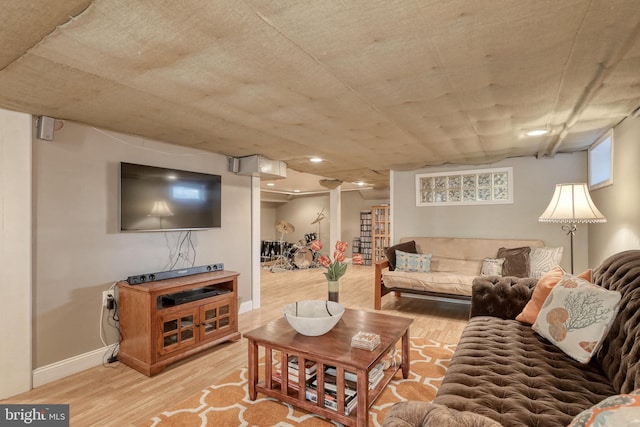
{"points": [[106, 295]]}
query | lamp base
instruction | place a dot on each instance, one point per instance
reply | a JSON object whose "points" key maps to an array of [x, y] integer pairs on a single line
{"points": [[571, 230]]}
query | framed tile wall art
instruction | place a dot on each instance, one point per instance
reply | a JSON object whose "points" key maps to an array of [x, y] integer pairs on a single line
{"points": [[467, 187]]}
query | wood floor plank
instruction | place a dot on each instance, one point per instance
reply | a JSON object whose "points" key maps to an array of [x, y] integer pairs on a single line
{"points": [[116, 395]]}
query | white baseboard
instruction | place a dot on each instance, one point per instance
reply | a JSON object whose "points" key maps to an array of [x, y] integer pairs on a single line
{"points": [[72, 365], [245, 307], [81, 362]]}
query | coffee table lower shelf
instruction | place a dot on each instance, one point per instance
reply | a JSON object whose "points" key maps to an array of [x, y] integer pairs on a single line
{"points": [[293, 397]]}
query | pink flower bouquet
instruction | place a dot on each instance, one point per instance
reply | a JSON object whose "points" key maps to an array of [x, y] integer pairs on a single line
{"points": [[337, 267]]}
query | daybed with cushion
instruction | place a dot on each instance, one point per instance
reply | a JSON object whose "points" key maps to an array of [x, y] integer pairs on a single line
{"points": [[504, 371], [447, 266]]}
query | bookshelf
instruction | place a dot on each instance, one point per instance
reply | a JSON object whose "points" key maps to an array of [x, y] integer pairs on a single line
{"points": [[380, 225], [365, 236]]}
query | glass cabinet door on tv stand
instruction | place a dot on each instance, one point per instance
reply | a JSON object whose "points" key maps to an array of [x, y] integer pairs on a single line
{"points": [[196, 325], [177, 331]]}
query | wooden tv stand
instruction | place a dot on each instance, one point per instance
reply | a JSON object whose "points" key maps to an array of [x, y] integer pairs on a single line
{"points": [[159, 325]]}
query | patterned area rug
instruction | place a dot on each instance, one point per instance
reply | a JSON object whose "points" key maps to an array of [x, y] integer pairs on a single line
{"points": [[228, 404]]}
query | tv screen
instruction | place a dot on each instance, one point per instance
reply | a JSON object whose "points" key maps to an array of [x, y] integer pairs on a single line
{"points": [[160, 199]]}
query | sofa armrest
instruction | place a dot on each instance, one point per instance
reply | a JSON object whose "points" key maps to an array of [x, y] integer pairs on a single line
{"points": [[427, 414], [502, 297], [380, 266]]}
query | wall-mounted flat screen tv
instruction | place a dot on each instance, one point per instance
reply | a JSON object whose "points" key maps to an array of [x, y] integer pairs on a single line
{"points": [[161, 199]]}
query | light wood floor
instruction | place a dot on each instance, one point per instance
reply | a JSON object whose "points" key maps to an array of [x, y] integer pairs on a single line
{"points": [[119, 396]]}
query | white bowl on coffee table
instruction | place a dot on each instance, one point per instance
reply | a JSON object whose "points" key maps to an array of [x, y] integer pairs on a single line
{"points": [[313, 317]]}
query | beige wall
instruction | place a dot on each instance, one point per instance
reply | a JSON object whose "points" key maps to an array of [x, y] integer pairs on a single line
{"points": [[301, 211], [352, 204], [15, 252], [267, 221], [534, 182], [79, 249], [619, 202]]}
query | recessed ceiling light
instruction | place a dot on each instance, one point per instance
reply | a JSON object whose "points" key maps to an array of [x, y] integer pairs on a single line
{"points": [[360, 183], [270, 184], [296, 191], [538, 132], [315, 159]]}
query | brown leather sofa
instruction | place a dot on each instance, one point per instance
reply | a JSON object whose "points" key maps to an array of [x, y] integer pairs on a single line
{"points": [[504, 372]]}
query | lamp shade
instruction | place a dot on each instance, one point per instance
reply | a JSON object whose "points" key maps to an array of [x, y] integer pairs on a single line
{"points": [[571, 203]]}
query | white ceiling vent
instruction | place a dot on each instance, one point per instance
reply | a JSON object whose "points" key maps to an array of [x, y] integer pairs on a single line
{"points": [[262, 167]]}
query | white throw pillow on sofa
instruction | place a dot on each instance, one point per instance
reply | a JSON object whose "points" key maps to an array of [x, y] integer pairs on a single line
{"points": [[576, 316]]}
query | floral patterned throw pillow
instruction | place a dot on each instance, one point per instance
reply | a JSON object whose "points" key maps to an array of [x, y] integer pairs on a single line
{"points": [[576, 316], [492, 267], [420, 263], [615, 411]]}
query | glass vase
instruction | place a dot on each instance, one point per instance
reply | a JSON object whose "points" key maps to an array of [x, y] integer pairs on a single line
{"points": [[334, 290]]}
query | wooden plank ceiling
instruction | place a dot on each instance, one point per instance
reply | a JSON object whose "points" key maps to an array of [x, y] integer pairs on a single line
{"points": [[368, 85]]}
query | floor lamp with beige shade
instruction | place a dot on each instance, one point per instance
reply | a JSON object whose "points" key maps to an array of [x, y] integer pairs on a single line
{"points": [[571, 204]]}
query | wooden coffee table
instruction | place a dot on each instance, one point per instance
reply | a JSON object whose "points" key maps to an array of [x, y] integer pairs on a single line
{"points": [[331, 349]]}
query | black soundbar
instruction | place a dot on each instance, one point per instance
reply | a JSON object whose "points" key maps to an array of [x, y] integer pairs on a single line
{"points": [[171, 274]]}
